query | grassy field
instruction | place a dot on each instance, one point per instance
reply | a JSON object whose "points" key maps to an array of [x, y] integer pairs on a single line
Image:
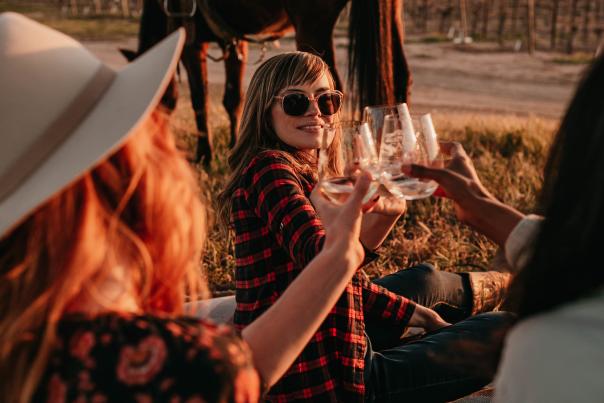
{"points": [[509, 153]]}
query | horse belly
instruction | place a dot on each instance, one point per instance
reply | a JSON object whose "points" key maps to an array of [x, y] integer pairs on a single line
{"points": [[254, 17]]}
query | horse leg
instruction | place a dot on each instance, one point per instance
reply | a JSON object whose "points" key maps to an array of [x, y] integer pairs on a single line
{"points": [[321, 44], [314, 34], [195, 61], [153, 25], [154, 28], [234, 66]]}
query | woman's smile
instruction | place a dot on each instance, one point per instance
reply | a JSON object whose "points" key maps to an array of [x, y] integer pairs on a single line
{"points": [[311, 127]]}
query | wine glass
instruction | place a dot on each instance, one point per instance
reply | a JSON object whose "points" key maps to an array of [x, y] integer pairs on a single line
{"points": [[400, 145], [374, 116], [352, 150]]}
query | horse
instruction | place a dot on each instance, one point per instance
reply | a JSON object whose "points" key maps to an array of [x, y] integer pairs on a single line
{"points": [[377, 68]]}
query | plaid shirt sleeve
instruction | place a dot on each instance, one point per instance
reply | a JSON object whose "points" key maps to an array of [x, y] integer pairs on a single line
{"points": [[279, 200], [385, 306]]}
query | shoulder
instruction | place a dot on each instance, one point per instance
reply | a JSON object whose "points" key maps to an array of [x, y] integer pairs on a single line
{"points": [[270, 159], [147, 351], [269, 166], [165, 335], [544, 352], [519, 242]]}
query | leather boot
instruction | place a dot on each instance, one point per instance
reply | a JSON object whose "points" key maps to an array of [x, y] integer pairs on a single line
{"points": [[489, 289]]}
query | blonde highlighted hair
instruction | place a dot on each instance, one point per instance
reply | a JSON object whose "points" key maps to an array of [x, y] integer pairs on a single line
{"points": [[140, 210], [256, 133]]}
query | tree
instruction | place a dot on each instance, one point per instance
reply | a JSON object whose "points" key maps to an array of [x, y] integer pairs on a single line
{"points": [[530, 17], [572, 26], [502, 18], [554, 29], [486, 9], [585, 30]]}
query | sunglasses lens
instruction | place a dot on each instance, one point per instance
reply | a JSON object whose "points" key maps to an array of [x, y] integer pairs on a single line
{"points": [[295, 104], [329, 103]]}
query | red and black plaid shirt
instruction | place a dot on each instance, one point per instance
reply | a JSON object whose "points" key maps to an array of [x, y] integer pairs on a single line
{"points": [[277, 234]]}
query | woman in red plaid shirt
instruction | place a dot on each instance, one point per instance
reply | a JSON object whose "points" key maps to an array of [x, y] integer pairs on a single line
{"points": [[357, 353]]}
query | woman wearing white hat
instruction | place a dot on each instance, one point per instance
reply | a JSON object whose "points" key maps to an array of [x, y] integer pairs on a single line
{"points": [[100, 237]]}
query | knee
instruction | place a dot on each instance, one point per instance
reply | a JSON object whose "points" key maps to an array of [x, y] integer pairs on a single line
{"points": [[504, 316], [426, 268], [413, 282], [424, 276], [498, 322]]}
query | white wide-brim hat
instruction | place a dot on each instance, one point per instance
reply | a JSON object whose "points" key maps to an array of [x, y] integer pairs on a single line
{"points": [[62, 110]]}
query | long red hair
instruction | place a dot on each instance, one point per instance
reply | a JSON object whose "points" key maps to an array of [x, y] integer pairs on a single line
{"points": [[138, 209]]}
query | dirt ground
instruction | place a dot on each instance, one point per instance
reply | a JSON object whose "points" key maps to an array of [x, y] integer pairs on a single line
{"points": [[479, 79]]}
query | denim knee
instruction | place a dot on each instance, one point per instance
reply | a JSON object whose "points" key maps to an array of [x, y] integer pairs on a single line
{"points": [[500, 319], [424, 276], [420, 280]]}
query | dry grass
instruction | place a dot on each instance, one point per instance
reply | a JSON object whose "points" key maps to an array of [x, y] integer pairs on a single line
{"points": [[509, 154], [575, 58]]}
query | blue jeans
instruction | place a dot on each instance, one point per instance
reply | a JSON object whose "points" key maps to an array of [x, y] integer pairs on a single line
{"points": [[442, 365]]}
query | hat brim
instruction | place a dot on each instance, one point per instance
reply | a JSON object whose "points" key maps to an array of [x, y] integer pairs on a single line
{"points": [[127, 103]]}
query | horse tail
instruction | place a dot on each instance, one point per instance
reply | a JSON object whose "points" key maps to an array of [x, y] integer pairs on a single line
{"points": [[377, 68]]}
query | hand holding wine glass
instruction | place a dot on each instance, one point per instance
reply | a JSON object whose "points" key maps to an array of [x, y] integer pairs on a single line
{"points": [[458, 180], [347, 149], [342, 222], [474, 204]]}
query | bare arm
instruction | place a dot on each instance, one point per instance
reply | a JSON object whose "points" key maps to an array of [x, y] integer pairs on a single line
{"points": [[280, 334], [379, 221], [494, 219]]}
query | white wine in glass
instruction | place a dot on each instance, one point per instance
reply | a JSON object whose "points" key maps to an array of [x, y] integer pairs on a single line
{"points": [[400, 147], [342, 159]]}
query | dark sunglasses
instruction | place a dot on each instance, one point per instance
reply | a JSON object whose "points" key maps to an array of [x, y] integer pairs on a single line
{"points": [[297, 103]]}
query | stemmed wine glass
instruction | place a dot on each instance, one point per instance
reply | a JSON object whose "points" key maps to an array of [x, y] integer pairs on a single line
{"points": [[400, 145], [353, 150]]}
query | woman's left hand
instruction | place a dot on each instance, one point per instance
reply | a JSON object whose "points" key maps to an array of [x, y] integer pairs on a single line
{"points": [[427, 319], [342, 222]]}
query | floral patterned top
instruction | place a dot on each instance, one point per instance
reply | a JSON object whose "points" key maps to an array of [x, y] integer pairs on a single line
{"points": [[114, 357]]}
